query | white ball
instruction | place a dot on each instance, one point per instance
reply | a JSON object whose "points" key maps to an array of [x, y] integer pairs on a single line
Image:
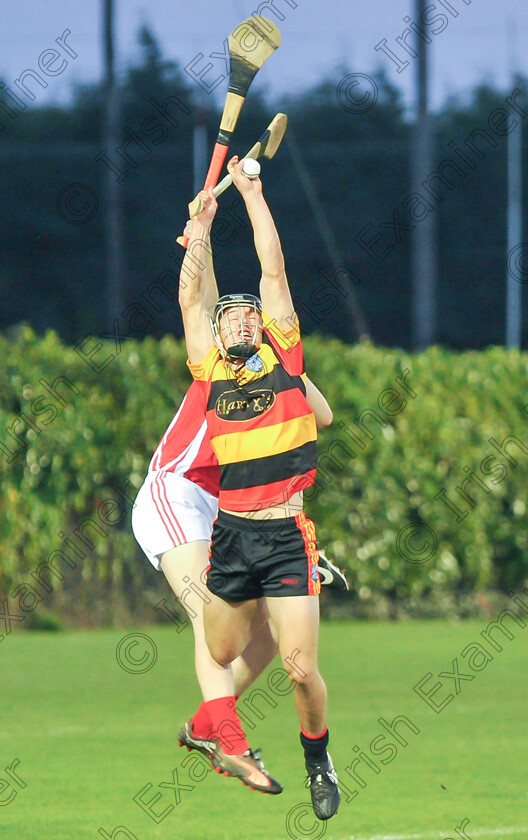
{"points": [[251, 168]]}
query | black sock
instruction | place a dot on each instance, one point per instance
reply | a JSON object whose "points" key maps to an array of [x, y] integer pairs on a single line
{"points": [[315, 748]]}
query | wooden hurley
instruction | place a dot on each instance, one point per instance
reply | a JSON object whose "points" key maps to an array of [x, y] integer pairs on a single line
{"points": [[266, 146], [250, 45]]}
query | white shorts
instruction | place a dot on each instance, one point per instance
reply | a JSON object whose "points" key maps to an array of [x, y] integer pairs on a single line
{"points": [[171, 510]]}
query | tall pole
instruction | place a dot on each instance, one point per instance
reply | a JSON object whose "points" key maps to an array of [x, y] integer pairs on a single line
{"points": [[114, 251], [514, 235], [200, 160], [423, 250]]}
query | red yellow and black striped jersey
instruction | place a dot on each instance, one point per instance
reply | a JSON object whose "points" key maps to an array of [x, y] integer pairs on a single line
{"points": [[261, 427]]}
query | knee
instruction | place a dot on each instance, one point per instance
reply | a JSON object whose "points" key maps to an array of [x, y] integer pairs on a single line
{"points": [[303, 672], [222, 657], [306, 681], [221, 650]]}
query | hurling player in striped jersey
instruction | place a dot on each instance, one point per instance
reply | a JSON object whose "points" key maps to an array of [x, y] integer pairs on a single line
{"points": [[172, 520], [263, 433]]}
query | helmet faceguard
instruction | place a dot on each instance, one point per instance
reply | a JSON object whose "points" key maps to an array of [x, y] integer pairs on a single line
{"points": [[245, 349]]}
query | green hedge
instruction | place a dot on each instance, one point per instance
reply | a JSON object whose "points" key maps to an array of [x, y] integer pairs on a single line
{"points": [[405, 426]]}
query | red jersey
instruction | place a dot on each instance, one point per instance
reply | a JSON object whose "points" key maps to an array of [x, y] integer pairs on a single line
{"points": [[185, 448]]}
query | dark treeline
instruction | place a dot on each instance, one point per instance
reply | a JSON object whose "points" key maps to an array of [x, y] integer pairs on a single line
{"points": [[52, 272]]}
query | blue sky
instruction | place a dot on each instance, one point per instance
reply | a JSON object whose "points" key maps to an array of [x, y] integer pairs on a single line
{"points": [[476, 39]]}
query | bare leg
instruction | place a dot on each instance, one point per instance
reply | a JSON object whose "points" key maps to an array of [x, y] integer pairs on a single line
{"points": [[185, 565], [259, 652], [297, 623], [228, 627]]}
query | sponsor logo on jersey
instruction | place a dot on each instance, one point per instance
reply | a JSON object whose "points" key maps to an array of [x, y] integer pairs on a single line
{"points": [[243, 405]]}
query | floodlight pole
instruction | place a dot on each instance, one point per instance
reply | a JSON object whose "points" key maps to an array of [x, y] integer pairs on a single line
{"points": [[514, 235], [114, 250], [423, 246]]}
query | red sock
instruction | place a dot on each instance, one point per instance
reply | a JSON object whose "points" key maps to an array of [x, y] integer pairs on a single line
{"points": [[226, 725], [315, 737], [201, 722], [314, 745]]}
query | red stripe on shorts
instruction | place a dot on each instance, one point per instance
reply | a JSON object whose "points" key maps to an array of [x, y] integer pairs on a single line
{"points": [[170, 509], [165, 512]]}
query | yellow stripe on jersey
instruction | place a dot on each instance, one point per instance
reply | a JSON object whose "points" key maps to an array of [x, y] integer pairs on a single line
{"points": [[237, 447], [284, 338], [202, 370], [208, 369]]}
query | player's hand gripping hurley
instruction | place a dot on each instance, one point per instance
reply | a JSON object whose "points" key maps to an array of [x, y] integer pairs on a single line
{"points": [[266, 146]]}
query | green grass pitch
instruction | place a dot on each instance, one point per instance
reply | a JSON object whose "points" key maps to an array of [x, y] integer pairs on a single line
{"points": [[90, 737]]}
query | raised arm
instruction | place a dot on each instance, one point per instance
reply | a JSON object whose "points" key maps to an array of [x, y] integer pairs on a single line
{"points": [[274, 289], [197, 290], [210, 285], [318, 404]]}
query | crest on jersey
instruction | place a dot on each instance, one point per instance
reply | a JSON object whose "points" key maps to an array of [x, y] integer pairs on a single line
{"points": [[255, 363]]}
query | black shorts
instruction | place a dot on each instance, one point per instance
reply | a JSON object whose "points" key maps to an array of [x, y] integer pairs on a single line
{"points": [[252, 558]]}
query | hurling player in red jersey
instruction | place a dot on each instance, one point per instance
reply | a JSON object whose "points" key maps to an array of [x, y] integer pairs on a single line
{"points": [[263, 432]]}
